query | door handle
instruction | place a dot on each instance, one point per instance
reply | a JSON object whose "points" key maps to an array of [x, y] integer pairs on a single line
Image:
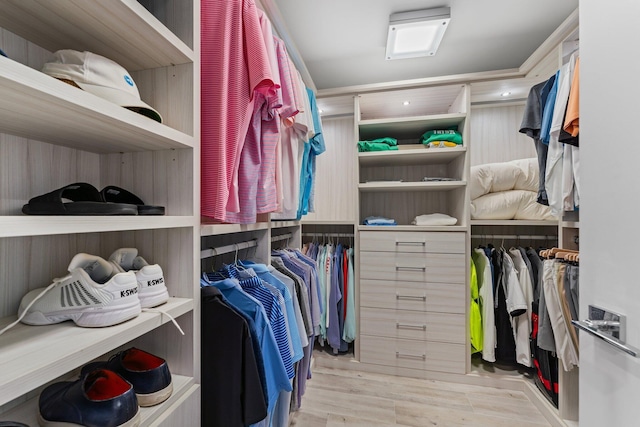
{"points": [[609, 327]]}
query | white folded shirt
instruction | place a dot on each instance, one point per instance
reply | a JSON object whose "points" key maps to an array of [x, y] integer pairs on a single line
{"points": [[434, 219]]}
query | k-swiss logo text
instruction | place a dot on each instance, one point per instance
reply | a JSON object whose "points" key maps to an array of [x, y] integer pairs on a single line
{"points": [[155, 282], [128, 292]]}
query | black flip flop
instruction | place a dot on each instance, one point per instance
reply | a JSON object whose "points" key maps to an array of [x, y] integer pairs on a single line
{"points": [[79, 198], [115, 194]]}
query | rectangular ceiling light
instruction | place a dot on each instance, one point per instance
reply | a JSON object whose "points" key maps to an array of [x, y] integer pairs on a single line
{"points": [[417, 33]]}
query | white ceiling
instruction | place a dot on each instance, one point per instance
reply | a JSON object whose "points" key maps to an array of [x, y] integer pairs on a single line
{"points": [[342, 42]]}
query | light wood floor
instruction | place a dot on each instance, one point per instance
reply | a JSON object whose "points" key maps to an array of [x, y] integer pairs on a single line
{"points": [[358, 399]]}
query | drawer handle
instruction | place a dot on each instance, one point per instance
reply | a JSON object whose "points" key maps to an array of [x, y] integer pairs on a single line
{"points": [[410, 356], [411, 297], [406, 326], [401, 268], [411, 243]]}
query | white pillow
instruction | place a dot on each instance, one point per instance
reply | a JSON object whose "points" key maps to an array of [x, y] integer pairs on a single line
{"points": [[519, 174], [512, 204]]}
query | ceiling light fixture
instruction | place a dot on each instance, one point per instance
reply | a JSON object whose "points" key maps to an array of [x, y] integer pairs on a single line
{"points": [[505, 94], [406, 103], [321, 111], [417, 33]]}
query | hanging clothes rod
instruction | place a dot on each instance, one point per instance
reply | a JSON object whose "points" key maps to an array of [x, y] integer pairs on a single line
{"points": [[211, 252], [327, 235], [280, 237], [513, 237]]}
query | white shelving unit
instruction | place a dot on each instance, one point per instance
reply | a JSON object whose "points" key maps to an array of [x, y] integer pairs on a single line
{"points": [[403, 270], [52, 135]]}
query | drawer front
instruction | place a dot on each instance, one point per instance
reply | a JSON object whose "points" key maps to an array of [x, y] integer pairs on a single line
{"points": [[423, 355], [434, 297], [438, 268], [415, 242], [413, 325]]}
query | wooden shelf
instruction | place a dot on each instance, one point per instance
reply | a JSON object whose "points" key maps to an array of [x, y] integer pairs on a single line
{"points": [[284, 224], [321, 222], [516, 222], [407, 127], [459, 228], [37, 106], [410, 186], [217, 229], [30, 225], [27, 413], [570, 224], [420, 155], [121, 30], [34, 355]]}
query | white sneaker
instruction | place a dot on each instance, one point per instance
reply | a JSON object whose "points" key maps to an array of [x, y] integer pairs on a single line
{"points": [[152, 290], [94, 294]]}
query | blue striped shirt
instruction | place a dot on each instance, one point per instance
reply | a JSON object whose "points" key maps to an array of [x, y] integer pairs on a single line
{"points": [[254, 287]]}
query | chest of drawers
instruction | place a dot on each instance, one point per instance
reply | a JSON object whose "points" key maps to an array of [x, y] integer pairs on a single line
{"points": [[413, 300]]}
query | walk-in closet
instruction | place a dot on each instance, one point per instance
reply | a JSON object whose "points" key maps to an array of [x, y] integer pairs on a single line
{"points": [[228, 213]]}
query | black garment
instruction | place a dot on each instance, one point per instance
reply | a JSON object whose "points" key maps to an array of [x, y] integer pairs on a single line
{"points": [[231, 387], [527, 262], [505, 341], [544, 362], [531, 126]]}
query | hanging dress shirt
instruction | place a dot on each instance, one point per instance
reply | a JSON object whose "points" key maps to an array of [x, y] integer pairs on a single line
{"points": [[276, 377], [231, 383]]}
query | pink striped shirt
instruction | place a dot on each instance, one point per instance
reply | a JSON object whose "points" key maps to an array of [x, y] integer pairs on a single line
{"points": [[230, 34]]}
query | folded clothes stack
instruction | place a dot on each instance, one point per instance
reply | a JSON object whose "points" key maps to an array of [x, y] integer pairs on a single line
{"points": [[379, 220], [380, 144], [441, 138], [434, 219]]}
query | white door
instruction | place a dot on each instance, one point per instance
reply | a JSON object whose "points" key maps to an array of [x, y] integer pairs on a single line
{"points": [[610, 205]]}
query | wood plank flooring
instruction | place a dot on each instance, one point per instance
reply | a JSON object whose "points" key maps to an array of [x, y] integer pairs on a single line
{"points": [[341, 398]]}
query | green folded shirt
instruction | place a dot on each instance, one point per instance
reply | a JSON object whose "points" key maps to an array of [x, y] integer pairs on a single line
{"points": [[449, 135], [375, 146]]}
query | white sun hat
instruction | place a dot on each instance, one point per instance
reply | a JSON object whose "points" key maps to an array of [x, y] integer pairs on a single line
{"points": [[100, 76]]}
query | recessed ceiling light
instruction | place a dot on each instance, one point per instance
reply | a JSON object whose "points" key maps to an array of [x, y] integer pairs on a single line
{"points": [[406, 103], [505, 94], [321, 111]]}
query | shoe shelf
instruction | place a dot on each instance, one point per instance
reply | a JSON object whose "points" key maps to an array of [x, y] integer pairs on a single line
{"points": [[18, 226], [102, 27], [31, 356], [27, 412], [410, 186], [37, 106]]}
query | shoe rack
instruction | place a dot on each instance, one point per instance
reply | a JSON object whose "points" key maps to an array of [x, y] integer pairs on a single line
{"points": [[51, 135]]}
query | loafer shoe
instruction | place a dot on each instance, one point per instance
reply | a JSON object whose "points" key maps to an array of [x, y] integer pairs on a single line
{"points": [[148, 374], [101, 398]]}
